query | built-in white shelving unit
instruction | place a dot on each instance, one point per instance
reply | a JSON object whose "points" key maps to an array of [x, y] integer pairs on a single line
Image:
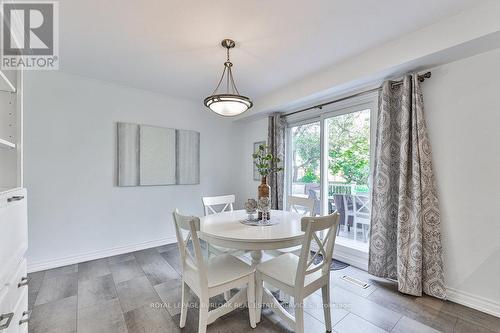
{"points": [[10, 130], [14, 314], [7, 144], [8, 80]]}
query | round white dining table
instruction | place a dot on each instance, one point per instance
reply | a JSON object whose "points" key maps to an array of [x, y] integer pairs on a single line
{"points": [[226, 230]]}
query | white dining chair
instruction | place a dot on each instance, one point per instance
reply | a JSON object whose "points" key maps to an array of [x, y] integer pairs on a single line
{"points": [[361, 217], [301, 205], [304, 207], [299, 276], [357, 207], [211, 205], [217, 275]]}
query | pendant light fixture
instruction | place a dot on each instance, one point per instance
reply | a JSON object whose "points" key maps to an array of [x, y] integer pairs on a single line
{"points": [[229, 103]]}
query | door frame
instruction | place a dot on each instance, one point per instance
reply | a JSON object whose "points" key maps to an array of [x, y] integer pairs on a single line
{"points": [[354, 257]]}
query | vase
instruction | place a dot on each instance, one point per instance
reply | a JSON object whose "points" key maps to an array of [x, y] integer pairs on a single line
{"points": [[264, 190]]}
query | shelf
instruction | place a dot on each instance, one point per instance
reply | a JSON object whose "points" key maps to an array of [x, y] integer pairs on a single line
{"points": [[6, 189], [7, 82], [7, 144]]}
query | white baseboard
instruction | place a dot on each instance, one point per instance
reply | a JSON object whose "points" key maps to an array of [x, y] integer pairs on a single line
{"points": [[473, 301], [360, 260], [58, 262]]}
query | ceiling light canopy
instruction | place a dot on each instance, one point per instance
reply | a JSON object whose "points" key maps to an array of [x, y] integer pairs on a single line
{"points": [[230, 103]]}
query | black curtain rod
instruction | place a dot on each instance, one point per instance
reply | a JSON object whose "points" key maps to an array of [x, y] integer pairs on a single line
{"points": [[421, 78]]}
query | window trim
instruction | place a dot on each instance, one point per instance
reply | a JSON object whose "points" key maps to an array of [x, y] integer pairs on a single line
{"points": [[368, 101]]}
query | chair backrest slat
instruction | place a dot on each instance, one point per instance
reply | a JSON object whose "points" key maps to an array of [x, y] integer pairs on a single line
{"points": [[210, 202], [304, 206], [314, 196], [312, 225], [191, 224], [362, 206]]}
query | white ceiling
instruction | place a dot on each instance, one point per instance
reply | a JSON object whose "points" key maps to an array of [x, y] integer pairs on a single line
{"points": [[172, 46]]}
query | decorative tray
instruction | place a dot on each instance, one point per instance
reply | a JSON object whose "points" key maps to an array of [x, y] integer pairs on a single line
{"points": [[258, 223]]}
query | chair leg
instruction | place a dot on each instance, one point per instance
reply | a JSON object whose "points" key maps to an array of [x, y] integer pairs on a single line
{"points": [[251, 300], [203, 317], [227, 295], [185, 299], [325, 292], [284, 297], [259, 294], [299, 316], [208, 251]]}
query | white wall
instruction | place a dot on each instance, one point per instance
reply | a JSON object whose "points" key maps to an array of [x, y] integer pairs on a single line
{"points": [[469, 32], [463, 116], [247, 132], [76, 211]]}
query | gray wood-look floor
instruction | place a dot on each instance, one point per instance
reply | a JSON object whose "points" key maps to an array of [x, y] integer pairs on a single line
{"points": [[140, 292]]}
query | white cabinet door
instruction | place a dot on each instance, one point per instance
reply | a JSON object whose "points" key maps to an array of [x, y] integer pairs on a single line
{"points": [[13, 231], [13, 246]]}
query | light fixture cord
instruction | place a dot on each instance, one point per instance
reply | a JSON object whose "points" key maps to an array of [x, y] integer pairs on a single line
{"points": [[220, 81], [229, 70], [229, 77], [233, 84]]}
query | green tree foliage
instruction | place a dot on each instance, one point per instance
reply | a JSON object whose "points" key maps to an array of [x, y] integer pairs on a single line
{"points": [[310, 177], [349, 149], [305, 149]]}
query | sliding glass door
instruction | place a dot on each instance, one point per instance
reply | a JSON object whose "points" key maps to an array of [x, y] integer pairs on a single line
{"points": [[348, 173], [305, 154], [329, 159]]}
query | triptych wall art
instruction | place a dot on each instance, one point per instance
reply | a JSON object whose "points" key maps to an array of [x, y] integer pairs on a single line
{"points": [[151, 155]]}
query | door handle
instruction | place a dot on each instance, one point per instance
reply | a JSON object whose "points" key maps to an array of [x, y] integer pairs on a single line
{"points": [[24, 282], [25, 317], [7, 316], [15, 198]]}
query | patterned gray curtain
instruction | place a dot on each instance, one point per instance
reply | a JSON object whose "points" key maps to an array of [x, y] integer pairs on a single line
{"points": [[276, 143], [405, 240]]}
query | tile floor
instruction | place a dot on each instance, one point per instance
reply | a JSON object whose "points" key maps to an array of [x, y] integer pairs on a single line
{"points": [[140, 292]]}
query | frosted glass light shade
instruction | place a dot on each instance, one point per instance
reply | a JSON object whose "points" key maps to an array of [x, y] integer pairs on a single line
{"points": [[228, 105]]}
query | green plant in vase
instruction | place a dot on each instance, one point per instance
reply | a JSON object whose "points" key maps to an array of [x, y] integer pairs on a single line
{"points": [[266, 164]]}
